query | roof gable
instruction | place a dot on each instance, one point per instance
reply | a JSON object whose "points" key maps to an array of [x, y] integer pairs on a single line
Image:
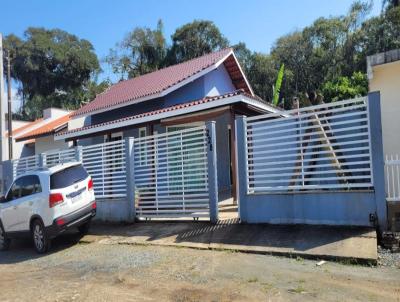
{"points": [[166, 80]]}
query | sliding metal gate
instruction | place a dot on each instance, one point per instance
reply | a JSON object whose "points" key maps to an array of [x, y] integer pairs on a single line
{"points": [[171, 174]]}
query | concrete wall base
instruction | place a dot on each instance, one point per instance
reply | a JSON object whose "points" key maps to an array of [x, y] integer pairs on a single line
{"points": [[328, 208], [113, 210]]}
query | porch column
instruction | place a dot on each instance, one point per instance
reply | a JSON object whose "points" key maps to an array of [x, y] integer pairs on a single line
{"points": [[130, 178], [212, 171], [79, 153], [241, 166], [233, 157]]}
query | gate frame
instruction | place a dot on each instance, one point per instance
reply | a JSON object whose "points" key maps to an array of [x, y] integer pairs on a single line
{"points": [[211, 170]]}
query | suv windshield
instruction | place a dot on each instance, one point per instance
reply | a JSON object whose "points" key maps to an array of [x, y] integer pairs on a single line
{"points": [[67, 177]]}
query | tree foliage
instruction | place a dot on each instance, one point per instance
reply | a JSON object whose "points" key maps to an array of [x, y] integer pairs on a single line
{"points": [[195, 39], [141, 51], [53, 68], [343, 88], [278, 84], [328, 55], [325, 61]]}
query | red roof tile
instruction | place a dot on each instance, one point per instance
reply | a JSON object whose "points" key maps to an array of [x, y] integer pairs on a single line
{"points": [[46, 128], [152, 83], [22, 128], [171, 108]]}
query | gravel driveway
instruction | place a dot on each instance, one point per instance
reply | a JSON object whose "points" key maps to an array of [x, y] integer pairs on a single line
{"points": [[112, 272]]}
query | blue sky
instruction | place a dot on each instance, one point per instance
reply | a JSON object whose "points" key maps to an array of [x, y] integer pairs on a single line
{"points": [[257, 23]]}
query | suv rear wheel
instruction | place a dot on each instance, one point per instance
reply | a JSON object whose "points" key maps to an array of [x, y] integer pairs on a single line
{"points": [[41, 241], [4, 241]]}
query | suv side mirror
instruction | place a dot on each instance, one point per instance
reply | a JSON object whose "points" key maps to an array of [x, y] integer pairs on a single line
{"points": [[3, 199]]}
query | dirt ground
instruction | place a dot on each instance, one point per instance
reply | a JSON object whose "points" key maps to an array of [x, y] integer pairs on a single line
{"points": [[110, 272]]}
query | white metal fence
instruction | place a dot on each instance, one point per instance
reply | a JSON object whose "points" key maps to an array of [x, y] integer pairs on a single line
{"points": [[58, 157], [171, 176], [323, 147], [106, 164], [392, 177], [25, 164]]}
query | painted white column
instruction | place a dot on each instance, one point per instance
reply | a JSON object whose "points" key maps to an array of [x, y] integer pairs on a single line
{"points": [[3, 139]]}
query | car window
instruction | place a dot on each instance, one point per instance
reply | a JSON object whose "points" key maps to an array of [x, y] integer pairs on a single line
{"points": [[15, 191], [30, 185], [67, 177]]}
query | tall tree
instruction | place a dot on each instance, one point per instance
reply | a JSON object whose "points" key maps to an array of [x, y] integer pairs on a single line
{"points": [[142, 50], [195, 39], [381, 33], [261, 73], [51, 66], [244, 55], [295, 51]]}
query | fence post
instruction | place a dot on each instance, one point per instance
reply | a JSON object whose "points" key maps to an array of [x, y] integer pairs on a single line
{"points": [[378, 162], [241, 166], [212, 170], [79, 153], [42, 160], [130, 177]]}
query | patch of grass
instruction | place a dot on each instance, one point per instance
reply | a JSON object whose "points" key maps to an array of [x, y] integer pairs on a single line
{"points": [[299, 259], [231, 251], [252, 280], [267, 287], [298, 290]]}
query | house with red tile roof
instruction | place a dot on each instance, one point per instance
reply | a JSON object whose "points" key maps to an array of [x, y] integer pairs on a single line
{"points": [[212, 87], [36, 137]]}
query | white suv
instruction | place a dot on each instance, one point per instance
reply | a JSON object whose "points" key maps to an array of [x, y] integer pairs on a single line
{"points": [[45, 203]]}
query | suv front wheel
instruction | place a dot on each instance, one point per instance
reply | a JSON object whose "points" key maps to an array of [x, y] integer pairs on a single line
{"points": [[4, 241], [39, 237]]}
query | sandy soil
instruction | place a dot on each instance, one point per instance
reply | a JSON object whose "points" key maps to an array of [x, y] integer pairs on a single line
{"points": [[106, 272]]}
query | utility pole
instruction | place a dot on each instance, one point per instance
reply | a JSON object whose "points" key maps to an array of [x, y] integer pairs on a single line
{"points": [[10, 138], [2, 117]]}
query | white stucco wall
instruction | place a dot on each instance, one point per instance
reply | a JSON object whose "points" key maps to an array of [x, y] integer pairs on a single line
{"points": [[386, 79], [218, 82], [78, 122], [47, 143]]}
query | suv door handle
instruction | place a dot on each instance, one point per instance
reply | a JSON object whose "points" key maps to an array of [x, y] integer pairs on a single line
{"points": [[31, 203], [15, 207]]}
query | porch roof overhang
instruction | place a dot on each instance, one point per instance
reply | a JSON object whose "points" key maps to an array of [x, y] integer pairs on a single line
{"points": [[172, 111]]}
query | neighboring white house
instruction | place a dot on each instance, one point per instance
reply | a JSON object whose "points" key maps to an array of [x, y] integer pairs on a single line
{"points": [[38, 136], [384, 76]]}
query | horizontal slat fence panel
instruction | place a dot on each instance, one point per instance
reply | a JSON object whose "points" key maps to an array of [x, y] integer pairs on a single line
{"points": [[60, 157], [171, 176], [106, 164], [25, 164], [323, 147]]}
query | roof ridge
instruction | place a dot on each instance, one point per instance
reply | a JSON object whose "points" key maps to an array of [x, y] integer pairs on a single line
{"points": [[153, 84], [171, 66]]}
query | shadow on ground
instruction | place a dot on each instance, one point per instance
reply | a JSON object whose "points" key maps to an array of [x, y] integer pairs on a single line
{"points": [[22, 249], [322, 241]]}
